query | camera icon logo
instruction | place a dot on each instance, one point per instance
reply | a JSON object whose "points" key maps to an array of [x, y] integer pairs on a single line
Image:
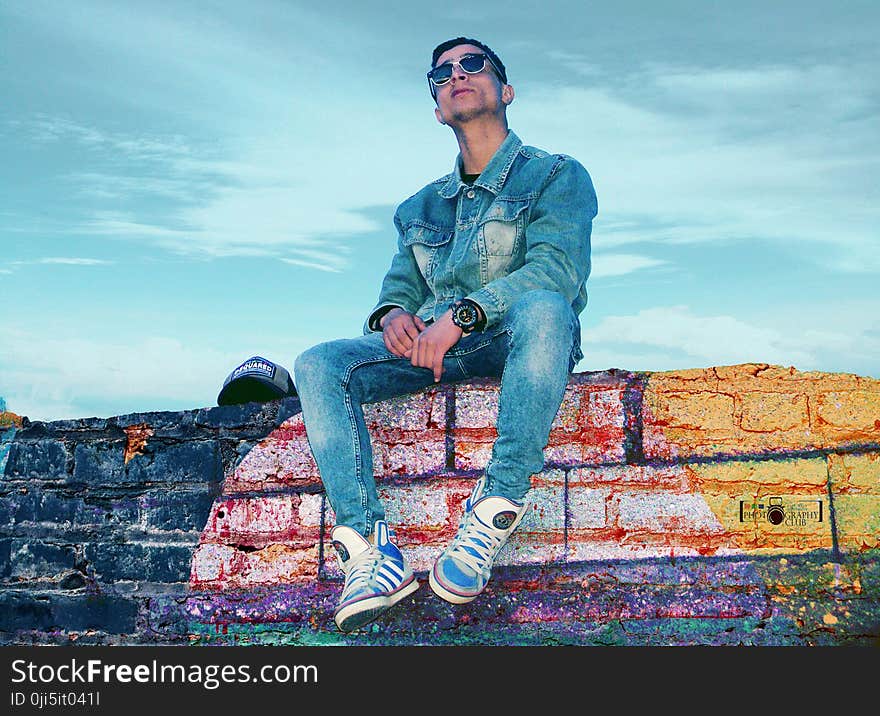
{"points": [[775, 511]]}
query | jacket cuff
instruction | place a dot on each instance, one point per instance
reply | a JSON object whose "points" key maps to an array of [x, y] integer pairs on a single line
{"points": [[372, 324], [490, 304]]}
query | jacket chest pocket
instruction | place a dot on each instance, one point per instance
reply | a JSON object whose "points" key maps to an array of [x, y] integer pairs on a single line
{"points": [[428, 246], [503, 226]]}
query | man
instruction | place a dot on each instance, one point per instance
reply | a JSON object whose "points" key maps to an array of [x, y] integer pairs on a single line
{"points": [[488, 280]]}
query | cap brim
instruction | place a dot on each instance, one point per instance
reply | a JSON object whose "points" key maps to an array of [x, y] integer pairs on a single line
{"points": [[249, 390]]}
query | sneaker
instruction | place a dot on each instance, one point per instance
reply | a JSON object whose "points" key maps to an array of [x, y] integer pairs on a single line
{"points": [[376, 576], [464, 569]]}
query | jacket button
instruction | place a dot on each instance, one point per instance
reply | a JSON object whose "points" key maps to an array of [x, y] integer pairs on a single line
{"points": [[470, 194]]}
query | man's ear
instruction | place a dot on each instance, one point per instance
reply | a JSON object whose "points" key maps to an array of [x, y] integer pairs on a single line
{"points": [[507, 94], [439, 116]]}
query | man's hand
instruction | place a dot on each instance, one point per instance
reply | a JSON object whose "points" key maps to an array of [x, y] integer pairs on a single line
{"points": [[399, 329], [432, 343]]}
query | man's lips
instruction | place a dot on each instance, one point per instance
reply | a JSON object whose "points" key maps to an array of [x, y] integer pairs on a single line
{"points": [[458, 91]]}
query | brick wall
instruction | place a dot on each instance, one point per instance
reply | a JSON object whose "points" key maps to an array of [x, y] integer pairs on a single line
{"points": [[650, 521]]}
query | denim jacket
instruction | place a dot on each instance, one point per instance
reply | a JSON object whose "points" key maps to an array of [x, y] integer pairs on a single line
{"points": [[524, 224]]}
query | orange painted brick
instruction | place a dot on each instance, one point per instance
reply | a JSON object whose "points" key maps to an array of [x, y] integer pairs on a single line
{"points": [[768, 412], [742, 476], [855, 410], [700, 410]]}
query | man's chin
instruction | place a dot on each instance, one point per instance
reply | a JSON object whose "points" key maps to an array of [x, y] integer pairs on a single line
{"points": [[465, 115]]}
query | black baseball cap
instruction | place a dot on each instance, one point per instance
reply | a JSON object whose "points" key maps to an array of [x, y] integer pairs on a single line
{"points": [[256, 380]]}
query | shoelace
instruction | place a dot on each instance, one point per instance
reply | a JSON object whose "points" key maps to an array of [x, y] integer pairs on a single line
{"points": [[473, 535], [362, 569]]}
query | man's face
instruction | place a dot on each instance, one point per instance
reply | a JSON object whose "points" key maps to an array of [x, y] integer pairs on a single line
{"points": [[467, 96]]}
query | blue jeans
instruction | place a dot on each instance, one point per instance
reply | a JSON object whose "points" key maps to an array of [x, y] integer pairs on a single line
{"points": [[530, 350]]}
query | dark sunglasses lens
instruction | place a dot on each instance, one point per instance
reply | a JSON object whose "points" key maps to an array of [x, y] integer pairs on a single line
{"points": [[473, 63], [441, 74]]}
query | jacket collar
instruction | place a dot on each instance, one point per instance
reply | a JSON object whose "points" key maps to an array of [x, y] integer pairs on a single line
{"points": [[493, 176]]}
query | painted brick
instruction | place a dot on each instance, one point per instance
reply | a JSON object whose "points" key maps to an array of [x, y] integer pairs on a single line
{"points": [[179, 509], [418, 412], [473, 452], [590, 550], [570, 415], [757, 535], [310, 510], [726, 485], [665, 512], [841, 409], [605, 409], [140, 562], [216, 566], [855, 473], [258, 522], [102, 463], [767, 412], [665, 477], [593, 446], [476, 407], [858, 521], [41, 460], [701, 410], [96, 511], [282, 459], [58, 611], [33, 560], [586, 507], [5, 558], [856, 410], [419, 455], [738, 476], [17, 506]]}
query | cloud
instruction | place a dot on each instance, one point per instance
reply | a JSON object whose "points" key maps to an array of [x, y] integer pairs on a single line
{"points": [[71, 261], [607, 265], [703, 340], [839, 336], [52, 378], [692, 155]]}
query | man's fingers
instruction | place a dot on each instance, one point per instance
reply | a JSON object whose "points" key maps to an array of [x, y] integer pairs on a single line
{"points": [[414, 357], [397, 344], [420, 324], [438, 366], [410, 328]]}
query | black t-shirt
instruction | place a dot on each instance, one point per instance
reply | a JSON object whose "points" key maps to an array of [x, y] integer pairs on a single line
{"points": [[469, 179]]}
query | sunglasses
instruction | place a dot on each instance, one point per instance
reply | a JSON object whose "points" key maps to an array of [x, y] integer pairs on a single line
{"points": [[471, 64]]}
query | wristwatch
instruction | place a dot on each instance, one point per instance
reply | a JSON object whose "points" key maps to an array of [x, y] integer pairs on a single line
{"points": [[466, 315]]}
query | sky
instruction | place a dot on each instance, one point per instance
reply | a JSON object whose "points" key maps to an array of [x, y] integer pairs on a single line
{"points": [[186, 185]]}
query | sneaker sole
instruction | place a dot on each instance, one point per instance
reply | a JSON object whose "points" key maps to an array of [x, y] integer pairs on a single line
{"points": [[354, 616], [444, 593]]}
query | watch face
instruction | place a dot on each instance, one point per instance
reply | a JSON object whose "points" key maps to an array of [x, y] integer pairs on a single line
{"points": [[466, 316]]}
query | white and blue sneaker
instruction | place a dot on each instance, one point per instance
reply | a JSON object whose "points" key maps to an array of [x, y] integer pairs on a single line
{"points": [[464, 568], [376, 576]]}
